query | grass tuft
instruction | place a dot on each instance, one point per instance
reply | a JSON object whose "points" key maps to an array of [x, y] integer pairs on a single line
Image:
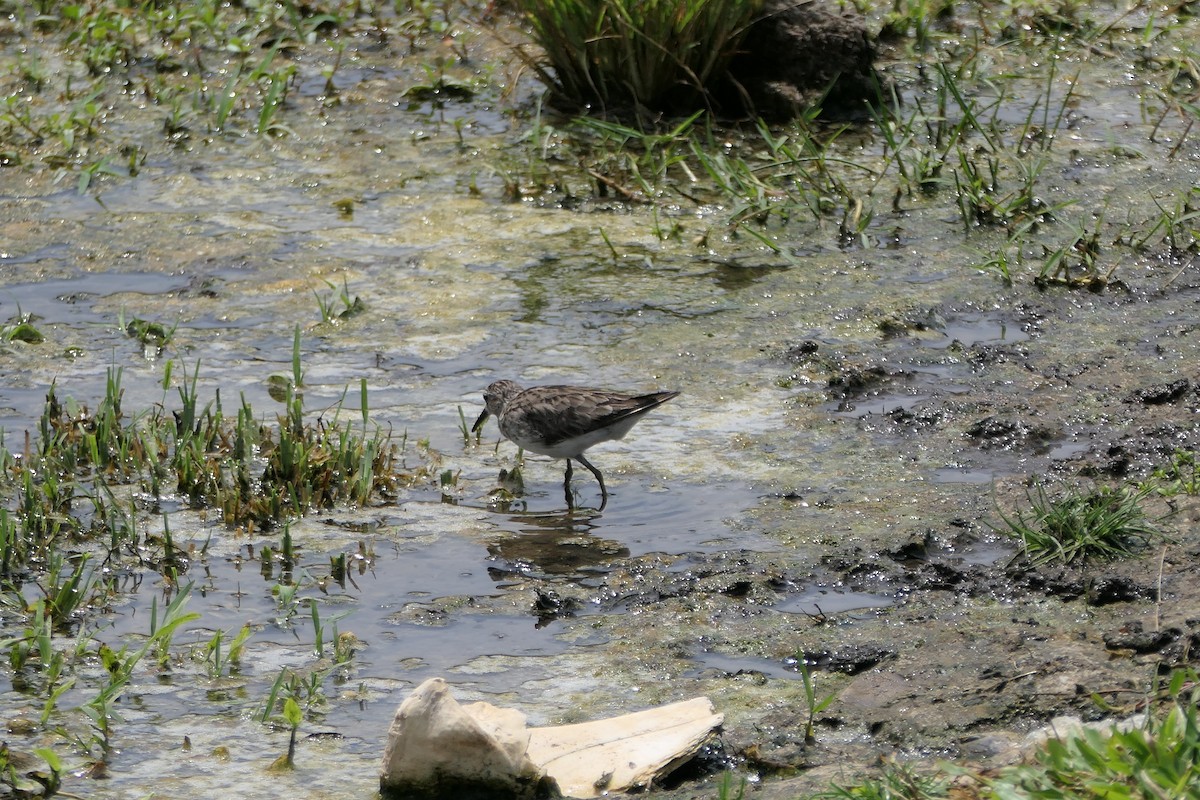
{"points": [[897, 782], [1159, 758], [1103, 523], [255, 472], [622, 54]]}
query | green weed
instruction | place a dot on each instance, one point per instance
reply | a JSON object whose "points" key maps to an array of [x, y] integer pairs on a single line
{"points": [[1180, 475], [337, 307], [1159, 758], [154, 336], [1101, 523], [66, 594], [119, 665], [813, 705], [1175, 228], [20, 328], [619, 54], [727, 790], [163, 630], [1075, 264], [896, 782], [222, 653]]}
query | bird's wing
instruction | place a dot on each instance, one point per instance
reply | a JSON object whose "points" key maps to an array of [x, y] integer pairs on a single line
{"points": [[558, 413]]}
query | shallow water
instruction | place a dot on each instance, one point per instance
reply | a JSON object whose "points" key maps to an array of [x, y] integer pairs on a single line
{"points": [[756, 462]]}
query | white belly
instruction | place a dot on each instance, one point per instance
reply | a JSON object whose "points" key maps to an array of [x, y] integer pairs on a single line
{"points": [[571, 448]]}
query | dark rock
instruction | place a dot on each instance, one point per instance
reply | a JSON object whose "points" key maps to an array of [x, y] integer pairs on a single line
{"points": [[1117, 589], [1163, 393], [549, 606], [738, 589], [997, 432], [988, 354], [1052, 584], [1143, 450], [1132, 637], [942, 576], [800, 55], [992, 433], [849, 660], [920, 418], [803, 352], [916, 550], [858, 381], [1180, 652]]}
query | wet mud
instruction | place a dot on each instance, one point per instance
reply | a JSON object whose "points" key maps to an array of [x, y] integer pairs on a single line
{"points": [[828, 490]]}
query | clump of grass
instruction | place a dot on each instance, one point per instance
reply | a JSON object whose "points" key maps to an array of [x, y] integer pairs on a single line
{"points": [[1075, 264], [1160, 758], [154, 336], [339, 306], [21, 329], [264, 474], [1103, 523], [619, 54], [318, 464], [897, 782], [255, 471], [67, 590]]}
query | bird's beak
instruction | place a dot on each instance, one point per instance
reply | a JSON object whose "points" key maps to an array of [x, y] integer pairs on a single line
{"points": [[479, 422]]}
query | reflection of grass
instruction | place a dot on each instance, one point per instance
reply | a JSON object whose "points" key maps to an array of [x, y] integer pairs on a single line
{"points": [[1102, 523]]}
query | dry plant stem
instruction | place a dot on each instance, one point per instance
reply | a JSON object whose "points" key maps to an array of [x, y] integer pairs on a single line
{"points": [[1162, 558]]}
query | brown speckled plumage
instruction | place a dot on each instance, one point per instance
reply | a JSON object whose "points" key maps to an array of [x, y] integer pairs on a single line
{"points": [[564, 421]]}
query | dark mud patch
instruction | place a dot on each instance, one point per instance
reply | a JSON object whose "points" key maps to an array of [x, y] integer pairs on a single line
{"points": [[967, 660], [977, 647], [981, 645], [800, 55]]}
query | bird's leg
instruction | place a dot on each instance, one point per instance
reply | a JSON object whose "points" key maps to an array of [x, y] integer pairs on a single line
{"points": [[567, 486], [599, 477]]}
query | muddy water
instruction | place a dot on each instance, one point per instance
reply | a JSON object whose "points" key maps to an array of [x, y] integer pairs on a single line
{"points": [[849, 421]]}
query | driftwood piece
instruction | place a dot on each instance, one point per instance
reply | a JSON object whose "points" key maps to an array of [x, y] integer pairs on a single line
{"points": [[623, 752], [437, 748]]}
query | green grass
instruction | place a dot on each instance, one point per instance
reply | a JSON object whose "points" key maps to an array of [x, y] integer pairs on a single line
{"points": [[254, 471], [897, 781], [177, 73], [1180, 475], [980, 134], [78, 512], [184, 71], [1158, 757], [1081, 525], [619, 55]]}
